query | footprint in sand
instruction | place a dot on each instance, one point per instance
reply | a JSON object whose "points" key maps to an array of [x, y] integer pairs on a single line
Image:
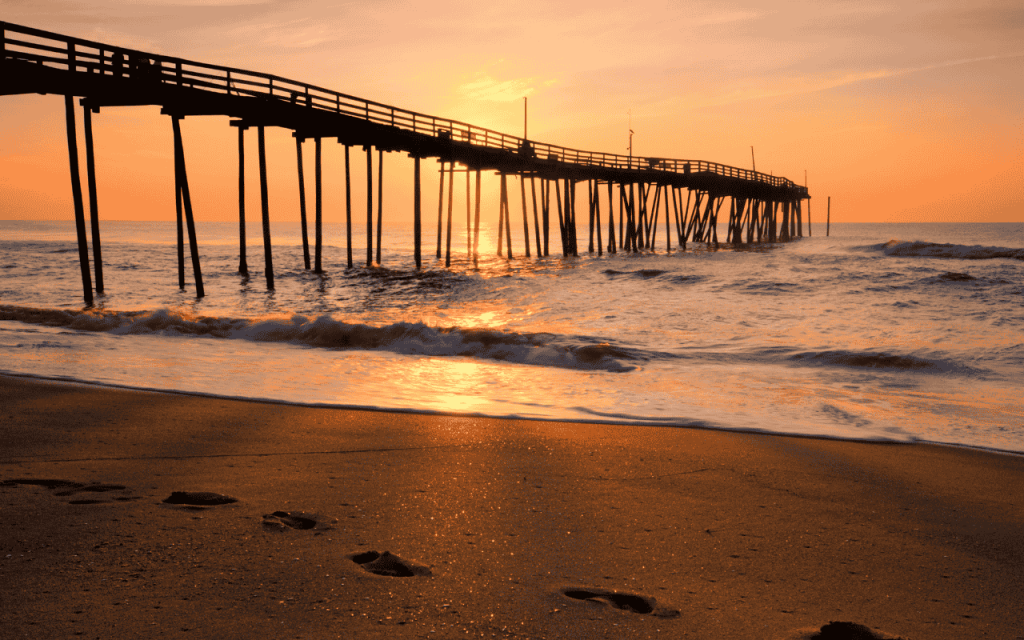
{"points": [[198, 498], [283, 521], [842, 631], [388, 564], [67, 488], [621, 600]]}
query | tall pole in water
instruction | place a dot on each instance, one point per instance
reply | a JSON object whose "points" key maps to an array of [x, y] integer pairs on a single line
{"points": [[630, 137], [828, 217], [524, 119]]}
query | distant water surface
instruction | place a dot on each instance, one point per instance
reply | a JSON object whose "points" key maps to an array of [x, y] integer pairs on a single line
{"points": [[880, 332]]}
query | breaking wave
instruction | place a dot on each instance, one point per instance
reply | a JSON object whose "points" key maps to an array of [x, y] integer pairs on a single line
{"points": [[409, 338], [957, 251]]}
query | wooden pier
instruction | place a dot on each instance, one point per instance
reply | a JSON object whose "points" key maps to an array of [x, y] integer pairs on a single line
{"points": [[688, 195]]}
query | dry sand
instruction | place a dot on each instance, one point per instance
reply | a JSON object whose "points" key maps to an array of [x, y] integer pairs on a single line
{"points": [[492, 528]]}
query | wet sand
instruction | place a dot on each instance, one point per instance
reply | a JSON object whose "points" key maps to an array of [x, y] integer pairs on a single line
{"points": [[320, 523]]}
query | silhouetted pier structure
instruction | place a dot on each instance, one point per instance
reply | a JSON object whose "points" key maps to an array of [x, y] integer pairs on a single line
{"points": [[688, 195]]}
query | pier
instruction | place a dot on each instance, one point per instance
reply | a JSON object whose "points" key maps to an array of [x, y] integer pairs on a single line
{"points": [[638, 196]]}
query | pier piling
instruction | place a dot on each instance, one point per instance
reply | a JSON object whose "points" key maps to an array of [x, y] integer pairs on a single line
{"points": [[182, 178], [537, 224], [526, 219], [451, 199], [417, 224], [243, 265], [380, 200], [476, 221], [369, 206], [318, 250], [76, 192], [348, 205], [268, 254], [302, 202], [440, 210], [94, 209]]}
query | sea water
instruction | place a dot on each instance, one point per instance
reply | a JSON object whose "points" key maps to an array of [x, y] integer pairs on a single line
{"points": [[900, 332]]}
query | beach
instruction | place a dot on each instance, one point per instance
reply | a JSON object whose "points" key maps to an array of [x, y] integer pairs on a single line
{"points": [[510, 528]]}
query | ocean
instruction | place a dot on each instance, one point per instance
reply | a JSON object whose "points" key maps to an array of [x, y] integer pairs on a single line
{"points": [[890, 332]]}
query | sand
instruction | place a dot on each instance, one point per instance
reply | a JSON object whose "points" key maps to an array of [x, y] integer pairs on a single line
{"points": [[296, 522]]}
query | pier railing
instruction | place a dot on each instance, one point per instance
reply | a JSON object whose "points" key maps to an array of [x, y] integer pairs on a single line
{"points": [[86, 57]]}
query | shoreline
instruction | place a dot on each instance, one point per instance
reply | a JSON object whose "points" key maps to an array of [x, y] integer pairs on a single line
{"points": [[529, 529], [427, 412]]}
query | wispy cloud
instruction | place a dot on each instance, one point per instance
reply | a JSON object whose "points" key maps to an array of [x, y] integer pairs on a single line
{"points": [[782, 87], [484, 87]]}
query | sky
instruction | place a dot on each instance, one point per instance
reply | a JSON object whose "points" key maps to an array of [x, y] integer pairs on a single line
{"points": [[906, 111]]}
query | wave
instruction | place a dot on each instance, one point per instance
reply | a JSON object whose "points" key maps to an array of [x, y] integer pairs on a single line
{"points": [[957, 251], [409, 338], [647, 274], [885, 361]]}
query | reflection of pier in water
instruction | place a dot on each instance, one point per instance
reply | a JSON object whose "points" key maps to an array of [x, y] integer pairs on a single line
{"points": [[643, 190]]}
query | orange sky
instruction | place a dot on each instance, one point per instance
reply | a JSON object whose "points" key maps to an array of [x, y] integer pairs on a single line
{"points": [[900, 111]]}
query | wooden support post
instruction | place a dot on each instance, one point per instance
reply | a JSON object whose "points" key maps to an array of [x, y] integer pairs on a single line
{"points": [[810, 234], [798, 205], [828, 217], [545, 194], [570, 194], [380, 199], [691, 231], [640, 215], [76, 192], [348, 204], [536, 223], [675, 212], [417, 223], [187, 200], [180, 220], [785, 221], [714, 222], [632, 221], [622, 216], [440, 210], [476, 221], [612, 248], [318, 250], [243, 265], [265, 207], [302, 202], [369, 206], [526, 215], [686, 215], [561, 218], [469, 221], [94, 210], [590, 208], [597, 216], [752, 216], [731, 226], [705, 221], [654, 217], [508, 215], [503, 217], [668, 223], [451, 201]]}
